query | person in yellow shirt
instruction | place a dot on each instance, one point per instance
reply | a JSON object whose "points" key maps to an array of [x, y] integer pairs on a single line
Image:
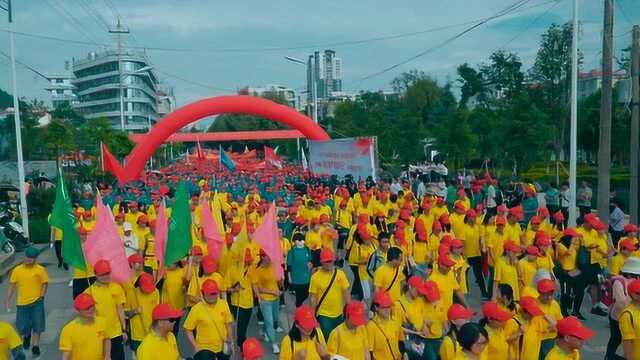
{"points": [[10, 342], [457, 316], [457, 219], [305, 339], [173, 286], [456, 247], [594, 238], [146, 297], [571, 290], [571, 337], [385, 329], [473, 340], [84, 337], [527, 267], [551, 309], [30, 281], [389, 277], [447, 283], [506, 270], [328, 292], [350, 339], [513, 229], [207, 270], [110, 301], [473, 239], [434, 320], [239, 284], [211, 319], [626, 247], [252, 349], [533, 324], [494, 242], [160, 343], [494, 321], [268, 289], [629, 324], [362, 252]]}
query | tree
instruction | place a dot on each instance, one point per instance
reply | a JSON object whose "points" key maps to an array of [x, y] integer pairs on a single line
{"points": [[454, 137], [504, 74], [57, 138], [471, 82]]}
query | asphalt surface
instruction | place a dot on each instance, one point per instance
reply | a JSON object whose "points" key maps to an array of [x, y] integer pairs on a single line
{"points": [[59, 311]]}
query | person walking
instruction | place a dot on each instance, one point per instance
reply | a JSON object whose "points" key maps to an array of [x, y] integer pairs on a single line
{"points": [[84, 337], [299, 265], [29, 281], [305, 340], [160, 343], [267, 289], [385, 330], [572, 335], [584, 200], [242, 297], [629, 271], [349, 339]]}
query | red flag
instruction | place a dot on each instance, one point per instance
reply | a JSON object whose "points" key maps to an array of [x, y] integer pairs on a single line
{"points": [[212, 235], [162, 229], [199, 152], [104, 242], [271, 157], [111, 164], [267, 236]]}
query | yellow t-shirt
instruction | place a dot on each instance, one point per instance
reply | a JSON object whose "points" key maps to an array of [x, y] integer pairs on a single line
{"points": [[450, 348], [566, 256], [497, 347], [28, 281], [411, 311], [558, 354], [107, 298], [447, 284], [435, 314], [313, 240], [210, 322], [513, 232], [616, 264], [195, 285], [9, 340], [384, 336], [471, 239], [85, 341], [352, 344], [141, 323], [240, 275], [630, 327], [363, 252], [265, 278], [333, 303], [389, 279], [527, 271], [532, 337], [495, 246], [154, 347], [287, 351], [551, 309], [173, 288], [506, 273], [457, 224]]}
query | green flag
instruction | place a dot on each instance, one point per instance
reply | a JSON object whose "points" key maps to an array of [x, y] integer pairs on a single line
{"points": [[62, 218], [179, 234]]}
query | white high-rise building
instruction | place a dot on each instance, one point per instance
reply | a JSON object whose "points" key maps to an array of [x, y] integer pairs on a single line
{"points": [[327, 70]]}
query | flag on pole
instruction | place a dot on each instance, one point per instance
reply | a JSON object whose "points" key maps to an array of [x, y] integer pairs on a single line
{"points": [[226, 161], [267, 236], [62, 217], [104, 242], [199, 152], [305, 164], [162, 226], [179, 233], [212, 235], [271, 157]]}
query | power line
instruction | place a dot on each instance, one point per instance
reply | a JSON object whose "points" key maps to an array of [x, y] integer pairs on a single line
{"points": [[531, 23], [73, 21], [93, 14], [28, 67], [624, 15], [501, 13]]}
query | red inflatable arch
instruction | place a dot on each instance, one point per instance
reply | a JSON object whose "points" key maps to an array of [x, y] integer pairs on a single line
{"points": [[237, 104]]}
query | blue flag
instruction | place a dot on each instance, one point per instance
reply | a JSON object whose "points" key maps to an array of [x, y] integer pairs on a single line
{"points": [[226, 160]]}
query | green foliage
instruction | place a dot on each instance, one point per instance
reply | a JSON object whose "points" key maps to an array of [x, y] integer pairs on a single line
{"points": [[454, 137]]}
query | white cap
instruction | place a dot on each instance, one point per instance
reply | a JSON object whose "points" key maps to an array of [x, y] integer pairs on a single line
{"points": [[127, 227]]}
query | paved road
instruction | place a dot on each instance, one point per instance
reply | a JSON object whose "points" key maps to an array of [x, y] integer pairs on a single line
{"points": [[59, 311]]}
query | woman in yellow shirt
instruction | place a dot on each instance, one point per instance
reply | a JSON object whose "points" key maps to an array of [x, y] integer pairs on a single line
{"points": [[146, 297], [384, 330], [506, 270], [457, 316], [305, 339], [472, 237], [267, 288], [473, 339], [533, 324], [350, 339], [239, 285], [160, 343], [571, 290], [495, 319], [173, 286]]}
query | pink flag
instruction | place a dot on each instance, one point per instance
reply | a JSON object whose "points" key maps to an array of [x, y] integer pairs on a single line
{"points": [[268, 237], [212, 236], [162, 229], [104, 242]]}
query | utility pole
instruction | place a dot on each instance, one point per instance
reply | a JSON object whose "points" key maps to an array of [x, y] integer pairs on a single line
{"points": [[119, 30], [573, 158], [635, 126], [24, 212], [604, 148]]}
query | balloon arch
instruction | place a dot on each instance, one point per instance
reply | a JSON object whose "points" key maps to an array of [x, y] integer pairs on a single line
{"points": [[237, 104]]}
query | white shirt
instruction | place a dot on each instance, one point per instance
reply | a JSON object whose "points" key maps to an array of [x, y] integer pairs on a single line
{"points": [[616, 219], [491, 197], [131, 244], [395, 187], [564, 198]]}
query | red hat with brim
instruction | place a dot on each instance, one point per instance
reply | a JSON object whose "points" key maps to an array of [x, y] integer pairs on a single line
{"points": [[492, 311], [165, 312], [530, 305], [430, 291], [208, 264], [305, 318], [546, 286], [326, 255], [146, 283], [210, 287], [457, 311], [445, 260], [573, 327], [354, 311], [83, 301], [252, 349], [382, 299], [102, 267]]}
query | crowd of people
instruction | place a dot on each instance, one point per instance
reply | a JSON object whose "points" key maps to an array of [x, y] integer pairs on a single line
{"points": [[376, 271]]}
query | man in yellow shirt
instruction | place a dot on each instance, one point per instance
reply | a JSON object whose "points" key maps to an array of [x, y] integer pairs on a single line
{"points": [[551, 308], [596, 243], [30, 280], [84, 337], [448, 286], [629, 323], [211, 318], [349, 339], [328, 292], [571, 337], [160, 343], [389, 277]]}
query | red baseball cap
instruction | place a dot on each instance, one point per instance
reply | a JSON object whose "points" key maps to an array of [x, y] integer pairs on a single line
{"points": [[445, 260], [135, 259], [533, 250], [536, 220], [492, 311], [210, 287], [437, 226], [471, 213], [196, 251], [165, 312], [382, 299], [509, 245], [305, 318], [415, 281], [573, 327], [146, 283], [571, 232], [326, 255], [208, 264], [459, 205], [355, 312], [634, 287], [627, 244], [530, 305], [430, 290], [501, 209], [102, 267], [630, 228], [542, 238], [500, 220], [252, 349], [456, 243], [324, 218], [142, 219], [546, 286], [558, 216], [543, 212], [83, 301], [457, 311]]}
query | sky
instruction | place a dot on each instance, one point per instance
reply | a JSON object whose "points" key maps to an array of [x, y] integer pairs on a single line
{"points": [[209, 48]]}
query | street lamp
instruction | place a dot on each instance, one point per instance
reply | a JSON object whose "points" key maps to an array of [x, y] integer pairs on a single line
{"points": [[314, 95], [24, 212], [142, 70]]}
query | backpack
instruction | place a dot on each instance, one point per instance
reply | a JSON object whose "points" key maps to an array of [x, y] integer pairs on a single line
{"points": [[607, 290]]}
